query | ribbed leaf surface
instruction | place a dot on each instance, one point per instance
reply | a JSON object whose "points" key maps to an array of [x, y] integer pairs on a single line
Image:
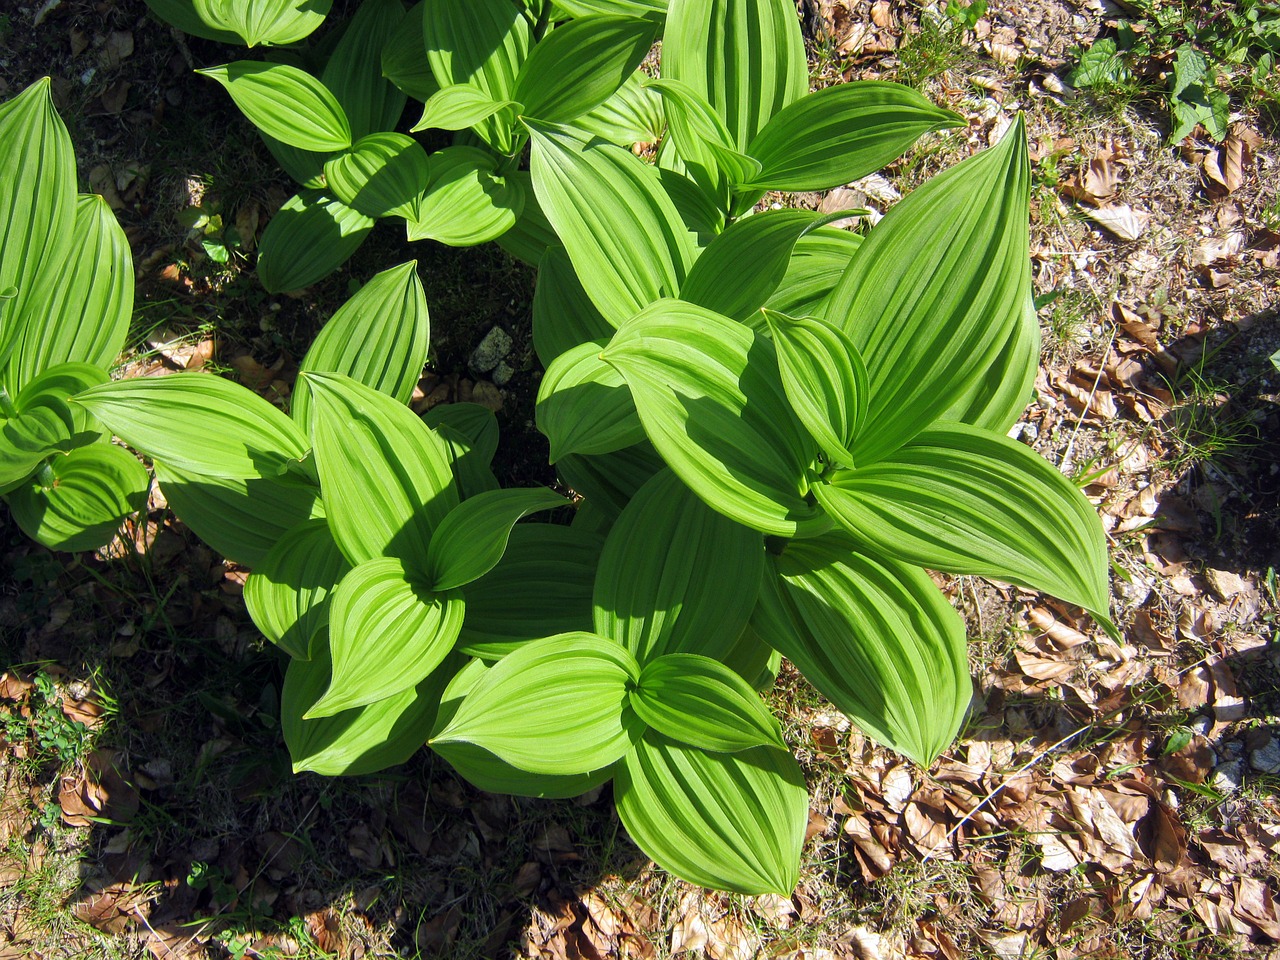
{"points": [[610, 480], [471, 433], [381, 175], [704, 144], [465, 202], [311, 236], [654, 9], [701, 703], [263, 22], [182, 14], [633, 114], [818, 260], [472, 537], [563, 314], [286, 103], [354, 71], [584, 405], [459, 106], [404, 60], [996, 399]]}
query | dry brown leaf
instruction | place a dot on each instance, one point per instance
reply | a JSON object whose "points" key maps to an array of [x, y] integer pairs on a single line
{"points": [[1255, 904], [896, 787], [112, 908], [1120, 219], [1063, 636]]}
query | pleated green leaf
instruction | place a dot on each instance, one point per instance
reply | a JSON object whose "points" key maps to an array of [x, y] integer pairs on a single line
{"points": [[934, 292], [621, 231], [996, 399], [471, 433], [305, 166], [875, 637], [541, 587], [361, 740], [825, 380], [182, 14], [818, 260], [717, 279], [532, 235], [675, 576], [94, 489], [584, 405], [744, 57], [379, 337], [556, 705], [610, 480], [286, 103], [485, 771], [563, 315], [240, 518], [386, 634], [381, 175], [262, 22], [634, 114], [311, 236], [289, 592], [699, 210], [404, 60], [964, 500], [55, 386], [707, 148], [482, 43], [354, 71], [471, 539], [699, 702], [466, 202], [728, 821], [654, 9], [842, 133], [82, 307], [385, 476], [580, 65], [38, 207], [45, 422], [711, 401], [460, 105]]}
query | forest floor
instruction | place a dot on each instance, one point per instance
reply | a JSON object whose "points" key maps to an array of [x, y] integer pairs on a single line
{"points": [[1104, 799]]}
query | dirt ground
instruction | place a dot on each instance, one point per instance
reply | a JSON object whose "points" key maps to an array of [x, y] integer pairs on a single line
{"points": [[1105, 800]]}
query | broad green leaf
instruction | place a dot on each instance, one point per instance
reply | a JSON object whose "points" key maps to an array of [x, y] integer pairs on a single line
{"points": [[699, 702], [997, 398], [580, 65], [459, 106], [875, 637], [610, 480], [556, 705], [705, 145], [717, 279], [81, 309], [354, 71], [54, 387], [934, 292], [842, 133], [361, 740], [654, 9], [380, 337], [532, 235], [226, 430], [466, 202], [482, 43], [485, 771], [620, 230], [404, 60], [381, 175], [541, 587], [289, 592], [471, 539], [241, 518], [305, 166], [584, 405], [963, 500], [182, 14], [711, 401], [385, 476], [634, 114], [262, 22], [286, 103], [825, 381], [38, 207], [744, 57], [563, 314], [386, 634], [753, 659], [728, 821], [702, 216], [471, 433], [818, 260], [45, 422], [94, 488], [675, 576], [311, 236]]}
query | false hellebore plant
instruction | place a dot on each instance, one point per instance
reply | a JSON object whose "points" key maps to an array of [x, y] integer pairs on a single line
{"points": [[66, 299]]}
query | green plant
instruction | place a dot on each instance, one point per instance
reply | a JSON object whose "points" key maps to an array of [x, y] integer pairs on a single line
{"points": [[66, 295]]}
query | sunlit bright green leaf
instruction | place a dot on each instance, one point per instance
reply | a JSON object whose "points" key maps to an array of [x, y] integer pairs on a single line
{"points": [[311, 236], [473, 535], [286, 103], [465, 202], [700, 702], [584, 405], [382, 174]]}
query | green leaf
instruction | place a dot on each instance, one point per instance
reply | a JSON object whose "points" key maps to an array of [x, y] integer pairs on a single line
{"points": [[305, 166], [610, 480], [580, 65], [700, 702], [381, 175], [182, 14], [386, 634], [563, 315], [404, 60], [842, 133], [485, 771], [620, 230], [459, 106], [286, 103], [997, 398], [1100, 66], [962, 500], [710, 399], [471, 433], [874, 636], [354, 71], [380, 337], [556, 705], [698, 210], [675, 576], [472, 537], [385, 476], [634, 114], [653, 9], [825, 381], [361, 740], [934, 292], [744, 57], [541, 587], [289, 592], [94, 489], [45, 423], [584, 405], [818, 260], [531, 235], [728, 821], [466, 202], [262, 22], [706, 146], [311, 236]]}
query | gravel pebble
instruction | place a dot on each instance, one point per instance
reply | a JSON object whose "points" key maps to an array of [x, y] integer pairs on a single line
{"points": [[503, 373], [1266, 758], [1228, 777], [495, 345]]}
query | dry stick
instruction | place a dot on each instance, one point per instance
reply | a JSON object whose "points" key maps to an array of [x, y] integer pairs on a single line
{"points": [[1066, 456]]}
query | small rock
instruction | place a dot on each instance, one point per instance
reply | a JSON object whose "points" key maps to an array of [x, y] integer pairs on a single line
{"points": [[495, 345], [1232, 750], [1228, 777], [487, 395], [1266, 759], [503, 373], [1225, 583], [1201, 725]]}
